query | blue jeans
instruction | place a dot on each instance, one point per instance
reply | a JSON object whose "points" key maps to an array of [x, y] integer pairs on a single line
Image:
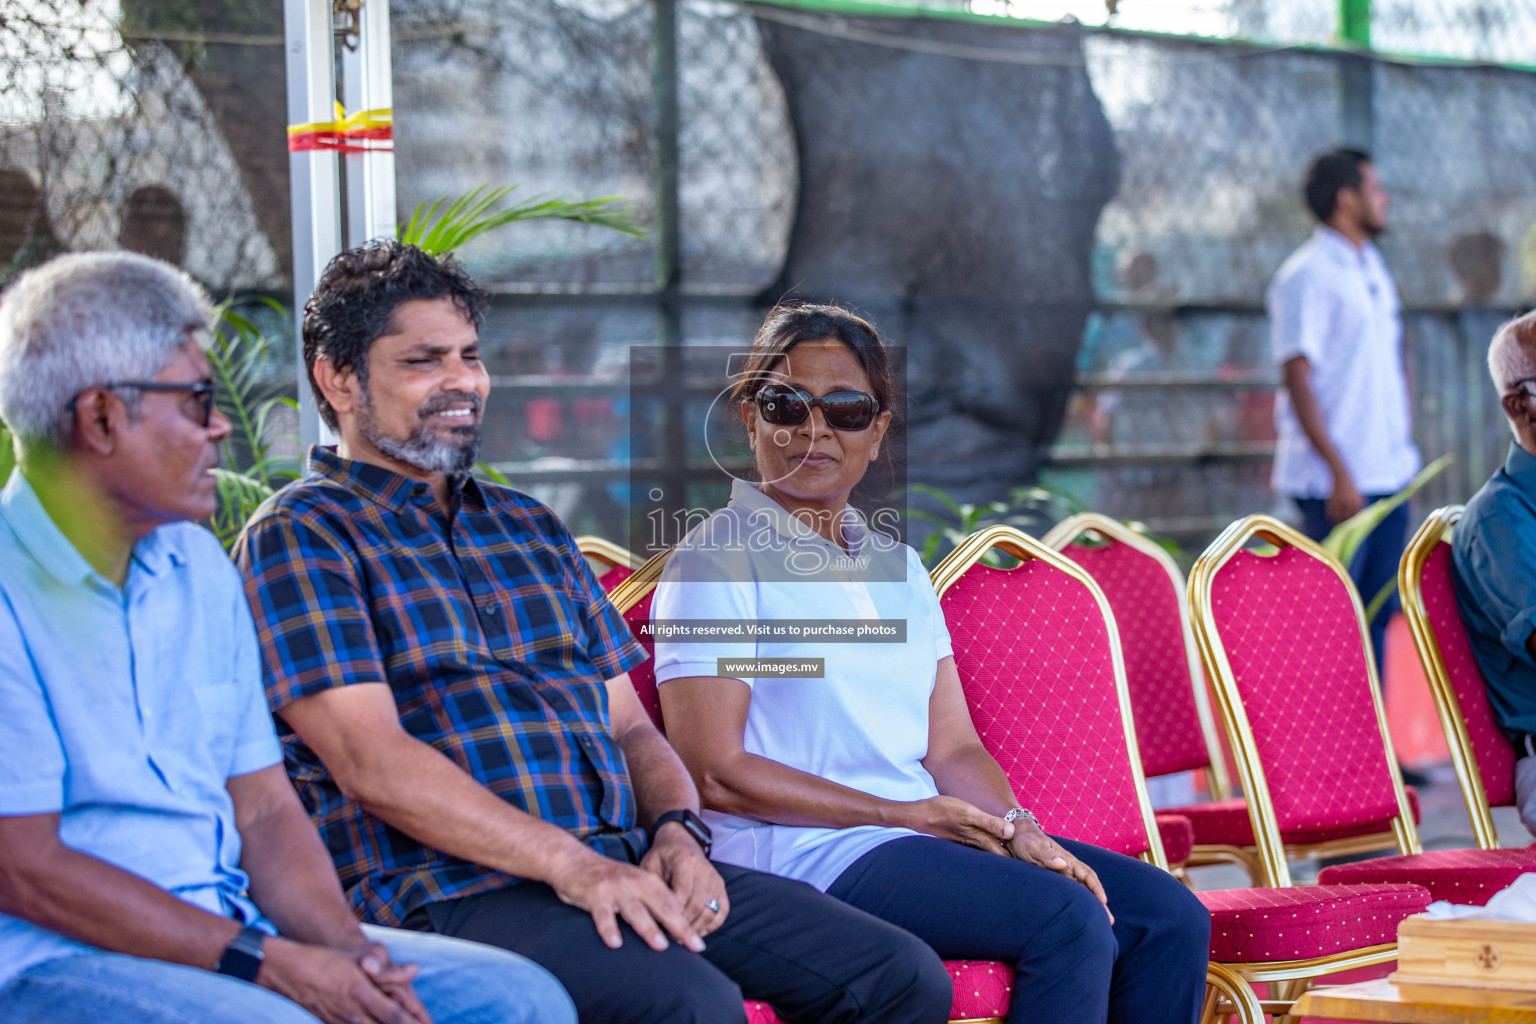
{"points": [[1071, 965], [459, 982], [1374, 565]]}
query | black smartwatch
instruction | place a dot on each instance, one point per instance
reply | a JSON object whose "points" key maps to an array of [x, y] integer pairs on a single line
{"points": [[242, 958], [690, 821]]}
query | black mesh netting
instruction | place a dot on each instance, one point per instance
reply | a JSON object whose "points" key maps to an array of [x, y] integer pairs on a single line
{"points": [[1070, 228]]}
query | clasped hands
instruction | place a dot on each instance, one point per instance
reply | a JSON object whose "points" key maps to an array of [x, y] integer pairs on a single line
{"points": [[343, 985], [960, 821], [674, 892]]}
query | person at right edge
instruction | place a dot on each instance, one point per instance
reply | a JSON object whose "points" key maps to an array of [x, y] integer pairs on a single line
{"points": [[1494, 546], [1344, 432]]}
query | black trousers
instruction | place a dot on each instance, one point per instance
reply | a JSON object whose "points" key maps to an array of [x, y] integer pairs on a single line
{"points": [[1071, 966], [816, 960]]}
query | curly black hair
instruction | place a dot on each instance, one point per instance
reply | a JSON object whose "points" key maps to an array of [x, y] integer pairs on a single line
{"points": [[358, 294]]}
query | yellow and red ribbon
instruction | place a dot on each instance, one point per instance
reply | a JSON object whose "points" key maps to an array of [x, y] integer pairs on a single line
{"points": [[367, 131]]}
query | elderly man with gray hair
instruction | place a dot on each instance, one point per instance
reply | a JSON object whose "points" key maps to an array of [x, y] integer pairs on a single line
{"points": [[155, 863], [1495, 557]]}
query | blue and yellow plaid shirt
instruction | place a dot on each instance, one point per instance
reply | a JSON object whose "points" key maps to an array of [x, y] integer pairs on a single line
{"points": [[489, 629]]}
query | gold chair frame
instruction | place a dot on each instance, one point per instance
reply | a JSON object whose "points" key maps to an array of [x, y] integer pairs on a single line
{"points": [[1436, 531], [1273, 852], [607, 552], [1222, 980], [1093, 524], [639, 582]]}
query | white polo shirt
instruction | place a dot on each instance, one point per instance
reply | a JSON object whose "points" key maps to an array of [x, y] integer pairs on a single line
{"points": [[1336, 305], [865, 725]]}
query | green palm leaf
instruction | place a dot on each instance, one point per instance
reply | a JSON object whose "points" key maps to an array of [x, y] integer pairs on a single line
{"points": [[1344, 540], [7, 454], [249, 394], [474, 213]]}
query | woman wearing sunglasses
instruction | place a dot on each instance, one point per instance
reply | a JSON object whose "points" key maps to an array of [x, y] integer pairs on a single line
{"points": [[868, 781]]}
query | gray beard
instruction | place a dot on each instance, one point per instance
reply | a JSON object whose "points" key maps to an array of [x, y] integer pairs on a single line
{"points": [[421, 449]]}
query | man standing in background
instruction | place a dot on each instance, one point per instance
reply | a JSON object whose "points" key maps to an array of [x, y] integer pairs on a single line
{"points": [[1342, 419]]}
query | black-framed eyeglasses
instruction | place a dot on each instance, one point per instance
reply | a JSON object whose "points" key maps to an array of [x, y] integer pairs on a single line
{"points": [[1525, 385], [786, 406], [204, 391]]}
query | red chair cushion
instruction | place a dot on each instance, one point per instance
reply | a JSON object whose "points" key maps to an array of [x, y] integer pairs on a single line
{"points": [[1178, 837], [1157, 672], [1032, 646], [1218, 822], [983, 988], [1293, 639], [1460, 876], [1254, 925], [1226, 823], [760, 1013], [1494, 756]]}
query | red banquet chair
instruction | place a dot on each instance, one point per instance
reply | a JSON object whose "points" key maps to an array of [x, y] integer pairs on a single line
{"points": [[1168, 693], [616, 563], [982, 988], [1484, 760], [1174, 727], [1039, 655]]}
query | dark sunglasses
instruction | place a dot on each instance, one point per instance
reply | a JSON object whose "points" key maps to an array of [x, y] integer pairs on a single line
{"points": [[785, 406], [202, 390]]}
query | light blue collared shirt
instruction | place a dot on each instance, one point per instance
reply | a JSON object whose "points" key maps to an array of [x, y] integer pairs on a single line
{"points": [[125, 709]]}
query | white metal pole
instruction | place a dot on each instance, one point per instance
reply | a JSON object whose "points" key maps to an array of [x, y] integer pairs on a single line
{"points": [[314, 186], [367, 85]]}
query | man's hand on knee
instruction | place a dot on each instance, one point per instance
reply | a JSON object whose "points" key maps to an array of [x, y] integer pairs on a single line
{"points": [[609, 890]]}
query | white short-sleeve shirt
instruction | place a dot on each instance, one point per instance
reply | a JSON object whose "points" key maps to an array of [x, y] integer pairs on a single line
{"points": [[865, 725], [1336, 305]]}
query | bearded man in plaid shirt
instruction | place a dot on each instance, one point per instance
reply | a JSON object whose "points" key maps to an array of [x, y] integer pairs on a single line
{"points": [[450, 686]]}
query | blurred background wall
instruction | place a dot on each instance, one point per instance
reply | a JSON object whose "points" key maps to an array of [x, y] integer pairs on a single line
{"points": [[1068, 223]]}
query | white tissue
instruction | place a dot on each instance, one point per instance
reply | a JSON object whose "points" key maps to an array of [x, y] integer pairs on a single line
{"points": [[1516, 903]]}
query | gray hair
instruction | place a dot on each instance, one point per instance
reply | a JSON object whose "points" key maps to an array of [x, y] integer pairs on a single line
{"points": [[85, 320], [1512, 353]]}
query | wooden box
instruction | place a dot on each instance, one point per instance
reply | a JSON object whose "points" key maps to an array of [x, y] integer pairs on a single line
{"points": [[1479, 954]]}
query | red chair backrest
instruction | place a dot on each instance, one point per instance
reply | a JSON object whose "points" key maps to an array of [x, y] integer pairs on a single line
{"points": [[1147, 606], [613, 576], [643, 676], [1034, 649], [1495, 757], [1288, 625]]}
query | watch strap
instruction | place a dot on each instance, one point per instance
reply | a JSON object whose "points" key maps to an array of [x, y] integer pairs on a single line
{"points": [[691, 822], [243, 957]]}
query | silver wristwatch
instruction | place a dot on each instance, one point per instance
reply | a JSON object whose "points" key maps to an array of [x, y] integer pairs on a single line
{"points": [[1020, 812]]}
